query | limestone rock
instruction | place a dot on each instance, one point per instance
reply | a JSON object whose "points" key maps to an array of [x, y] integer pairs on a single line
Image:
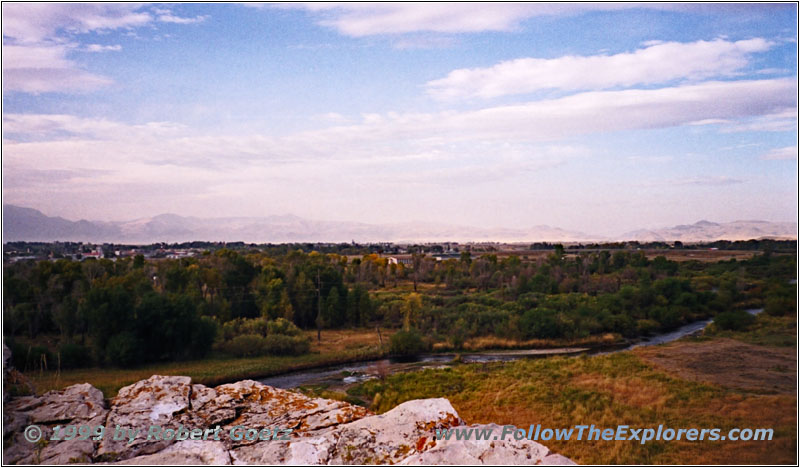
{"points": [[394, 435], [152, 402], [81, 401], [487, 452], [254, 405], [323, 431], [185, 452], [80, 404]]}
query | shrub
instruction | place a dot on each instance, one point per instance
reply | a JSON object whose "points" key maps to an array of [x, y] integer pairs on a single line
{"points": [[256, 326], [203, 334], [540, 323], [647, 326], [74, 355], [407, 343], [781, 301], [733, 320], [245, 345], [26, 358], [286, 345], [282, 326], [124, 350]]}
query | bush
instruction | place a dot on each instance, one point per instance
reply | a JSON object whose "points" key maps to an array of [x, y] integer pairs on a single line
{"points": [[733, 320], [540, 323], [781, 301], [246, 337], [74, 355], [245, 345], [647, 326], [282, 326], [407, 343], [286, 345], [203, 334], [27, 358], [256, 326], [124, 350]]}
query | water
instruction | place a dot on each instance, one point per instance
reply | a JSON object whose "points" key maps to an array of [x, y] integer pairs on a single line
{"points": [[339, 377], [685, 330]]}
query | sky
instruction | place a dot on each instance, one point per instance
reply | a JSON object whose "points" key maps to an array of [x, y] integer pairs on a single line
{"points": [[601, 118]]}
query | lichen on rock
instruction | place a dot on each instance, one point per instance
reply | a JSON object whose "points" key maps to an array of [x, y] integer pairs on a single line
{"points": [[322, 431]]}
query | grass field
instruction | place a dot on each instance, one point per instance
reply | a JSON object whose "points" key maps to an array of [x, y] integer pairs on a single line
{"points": [[689, 386], [743, 379], [336, 346]]}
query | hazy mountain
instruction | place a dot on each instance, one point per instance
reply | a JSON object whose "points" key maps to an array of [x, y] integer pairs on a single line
{"points": [[28, 224], [31, 225], [708, 231]]}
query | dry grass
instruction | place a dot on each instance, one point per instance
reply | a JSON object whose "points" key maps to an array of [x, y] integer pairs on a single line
{"points": [[493, 342], [729, 363], [337, 346], [611, 390], [348, 339]]}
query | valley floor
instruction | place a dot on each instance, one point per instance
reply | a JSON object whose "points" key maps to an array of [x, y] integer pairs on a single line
{"points": [[721, 379], [712, 381]]}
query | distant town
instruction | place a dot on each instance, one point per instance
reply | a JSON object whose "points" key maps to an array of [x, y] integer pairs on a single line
{"points": [[396, 253]]}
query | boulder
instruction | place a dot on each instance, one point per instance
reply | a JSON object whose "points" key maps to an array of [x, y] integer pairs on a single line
{"points": [[252, 404], [185, 452], [487, 452], [322, 431], [393, 436], [152, 402], [80, 404]]}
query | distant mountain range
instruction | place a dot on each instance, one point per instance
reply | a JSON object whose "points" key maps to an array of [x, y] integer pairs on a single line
{"points": [[32, 225]]}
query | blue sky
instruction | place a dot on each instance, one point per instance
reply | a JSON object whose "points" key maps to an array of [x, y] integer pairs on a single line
{"points": [[594, 117]]}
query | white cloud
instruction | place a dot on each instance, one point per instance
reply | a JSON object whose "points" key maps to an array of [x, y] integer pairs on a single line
{"points": [[37, 38], [700, 181], [170, 18], [600, 111], [657, 63], [103, 48], [366, 19], [394, 135], [29, 23], [787, 152], [708, 181], [784, 121], [389, 154], [45, 68], [45, 127]]}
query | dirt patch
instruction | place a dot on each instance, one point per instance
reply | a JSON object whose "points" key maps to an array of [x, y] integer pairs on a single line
{"points": [[728, 363]]}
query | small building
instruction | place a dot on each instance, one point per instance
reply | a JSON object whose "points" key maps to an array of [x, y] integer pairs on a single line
{"points": [[406, 260]]}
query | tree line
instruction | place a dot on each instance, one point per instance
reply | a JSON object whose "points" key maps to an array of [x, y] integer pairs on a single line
{"points": [[132, 310]]}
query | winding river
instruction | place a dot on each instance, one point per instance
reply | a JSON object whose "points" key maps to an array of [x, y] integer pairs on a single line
{"points": [[341, 376]]}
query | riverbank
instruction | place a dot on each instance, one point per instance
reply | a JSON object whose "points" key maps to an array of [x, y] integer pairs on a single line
{"points": [[213, 371], [336, 347], [695, 382]]}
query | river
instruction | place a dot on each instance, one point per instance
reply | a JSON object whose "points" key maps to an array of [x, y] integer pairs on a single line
{"points": [[341, 376]]}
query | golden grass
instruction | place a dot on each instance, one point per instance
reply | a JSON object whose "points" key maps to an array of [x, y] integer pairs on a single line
{"points": [[336, 347], [493, 342], [607, 391], [348, 339]]}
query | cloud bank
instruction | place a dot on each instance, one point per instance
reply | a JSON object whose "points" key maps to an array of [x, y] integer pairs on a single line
{"points": [[655, 64]]}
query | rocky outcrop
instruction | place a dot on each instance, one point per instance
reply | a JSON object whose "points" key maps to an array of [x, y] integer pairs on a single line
{"points": [[77, 405], [322, 431]]}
